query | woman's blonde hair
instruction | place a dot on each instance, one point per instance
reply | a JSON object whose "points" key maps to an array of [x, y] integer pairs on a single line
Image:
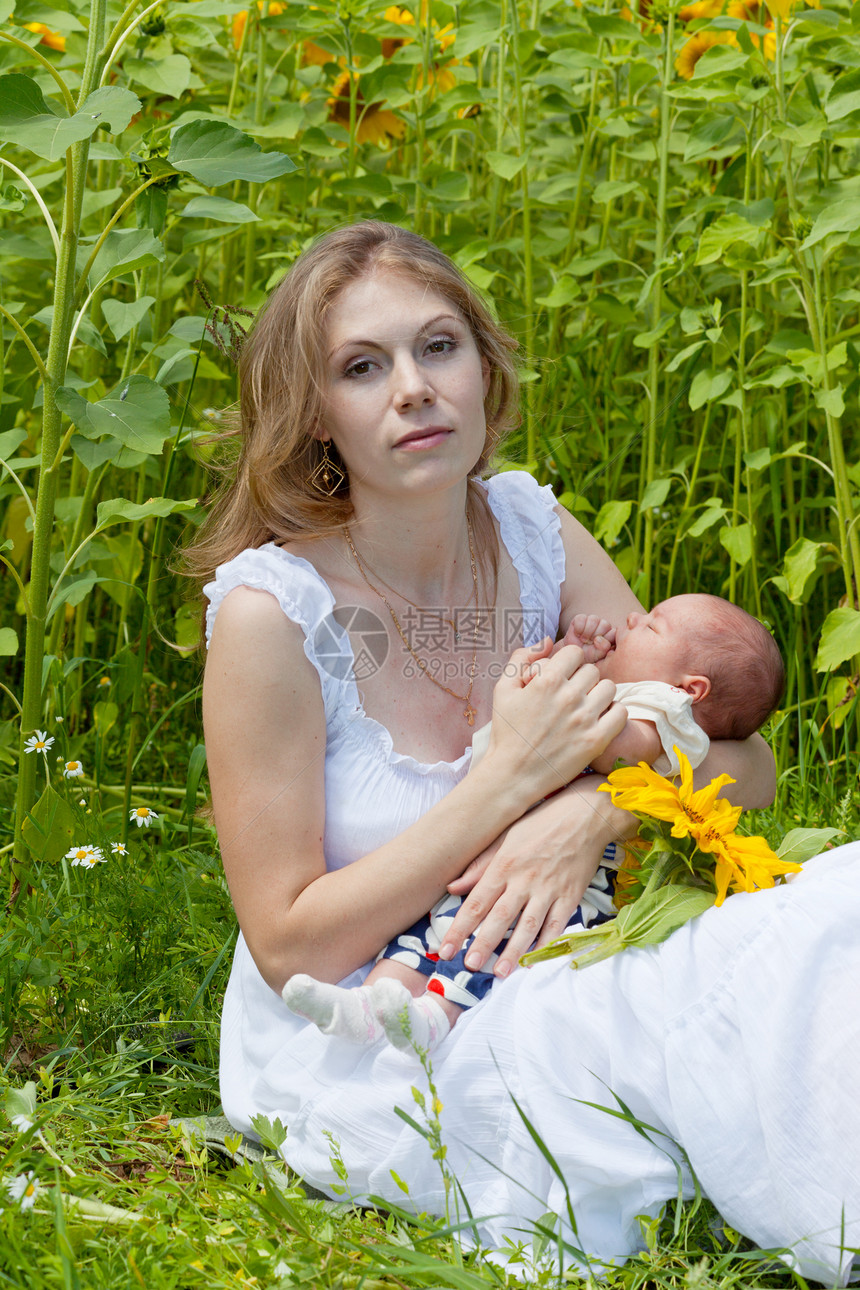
{"points": [[282, 373]]}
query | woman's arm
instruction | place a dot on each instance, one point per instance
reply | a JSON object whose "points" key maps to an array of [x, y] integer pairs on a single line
{"points": [[265, 739]]}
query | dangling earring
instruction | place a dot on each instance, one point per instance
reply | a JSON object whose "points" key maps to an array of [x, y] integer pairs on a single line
{"points": [[327, 477]]}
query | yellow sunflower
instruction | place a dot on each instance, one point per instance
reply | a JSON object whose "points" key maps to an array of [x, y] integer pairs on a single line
{"points": [[699, 43], [275, 7], [314, 55], [747, 864], [375, 124], [52, 39], [442, 78]]}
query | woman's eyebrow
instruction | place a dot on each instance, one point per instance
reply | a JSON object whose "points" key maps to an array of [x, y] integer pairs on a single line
{"points": [[425, 327]]}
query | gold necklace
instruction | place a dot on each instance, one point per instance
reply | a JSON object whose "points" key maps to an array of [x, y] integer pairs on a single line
{"points": [[468, 712], [450, 621]]}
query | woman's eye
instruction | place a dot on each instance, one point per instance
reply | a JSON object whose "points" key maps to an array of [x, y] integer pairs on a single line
{"points": [[441, 344], [360, 368]]}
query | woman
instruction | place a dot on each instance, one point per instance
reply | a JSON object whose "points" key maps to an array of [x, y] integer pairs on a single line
{"points": [[357, 545]]}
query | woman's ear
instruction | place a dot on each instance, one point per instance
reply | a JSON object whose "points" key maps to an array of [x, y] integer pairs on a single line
{"points": [[698, 687]]}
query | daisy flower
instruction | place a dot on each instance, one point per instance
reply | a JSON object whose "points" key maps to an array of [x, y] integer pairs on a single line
{"points": [[21, 1122], [73, 770], [118, 849], [142, 816], [104, 682], [88, 857], [39, 742], [25, 1188]]}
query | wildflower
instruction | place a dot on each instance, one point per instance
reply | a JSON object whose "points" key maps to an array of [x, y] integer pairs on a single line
{"points": [[441, 77], [314, 55], [24, 1189], [275, 7], [142, 816], [699, 43], [104, 682], [73, 770], [373, 123], [639, 788], [39, 742], [52, 39], [21, 1122], [118, 849], [86, 856], [748, 864]]}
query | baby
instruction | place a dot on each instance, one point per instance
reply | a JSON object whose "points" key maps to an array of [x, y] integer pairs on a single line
{"points": [[695, 668]]}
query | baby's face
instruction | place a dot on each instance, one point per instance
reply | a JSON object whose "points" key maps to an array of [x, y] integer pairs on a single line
{"points": [[658, 646]]}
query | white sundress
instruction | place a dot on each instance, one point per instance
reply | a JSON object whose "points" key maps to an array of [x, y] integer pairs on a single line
{"points": [[737, 1041]]}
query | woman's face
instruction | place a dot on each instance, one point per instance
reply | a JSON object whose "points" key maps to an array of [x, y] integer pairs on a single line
{"points": [[404, 396]]}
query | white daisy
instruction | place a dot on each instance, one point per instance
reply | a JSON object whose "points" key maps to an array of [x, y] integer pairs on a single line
{"points": [[21, 1122], [88, 857], [73, 770], [142, 816], [39, 742], [118, 849], [25, 1188]]}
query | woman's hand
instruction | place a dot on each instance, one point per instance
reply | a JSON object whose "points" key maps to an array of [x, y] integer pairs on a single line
{"points": [[535, 874], [551, 714]]}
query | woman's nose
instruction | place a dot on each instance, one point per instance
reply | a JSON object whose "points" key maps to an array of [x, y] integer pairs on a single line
{"points": [[412, 387]]}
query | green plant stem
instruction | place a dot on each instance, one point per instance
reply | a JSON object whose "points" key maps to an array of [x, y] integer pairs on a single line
{"points": [[528, 267], [47, 65], [653, 428], [58, 350], [259, 114]]}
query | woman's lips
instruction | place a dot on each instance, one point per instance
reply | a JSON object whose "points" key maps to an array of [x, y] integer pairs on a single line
{"points": [[429, 438]]}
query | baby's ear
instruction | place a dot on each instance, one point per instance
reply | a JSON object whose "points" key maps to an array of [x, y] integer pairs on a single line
{"points": [[698, 687]]}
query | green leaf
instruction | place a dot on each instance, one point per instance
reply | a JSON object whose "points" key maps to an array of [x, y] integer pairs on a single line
{"points": [[113, 107], [712, 514], [215, 153], [50, 827], [611, 189], [8, 642], [169, 76], [220, 209], [611, 519], [800, 845], [720, 235], [655, 493], [119, 510], [799, 570], [121, 317], [844, 97], [839, 217], [137, 413], [29, 121], [708, 386], [737, 540], [10, 442], [123, 250], [708, 132], [73, 590], [831, 401], [21, 1101], [563, 292], [505, 165], [840, 638]]}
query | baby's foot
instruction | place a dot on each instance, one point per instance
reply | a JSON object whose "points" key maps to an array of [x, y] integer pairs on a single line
{"points": [[351, 1014], [409, 1023]]}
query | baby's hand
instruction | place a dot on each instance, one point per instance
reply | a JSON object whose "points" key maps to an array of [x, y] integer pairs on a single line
{"points": [[595, 636]]}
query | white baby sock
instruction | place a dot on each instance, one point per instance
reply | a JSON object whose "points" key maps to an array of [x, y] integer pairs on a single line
{"points": [[408, 1022], [351, 1014]]}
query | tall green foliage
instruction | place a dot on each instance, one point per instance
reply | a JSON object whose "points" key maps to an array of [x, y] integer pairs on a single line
{"points": [[678, 257]]}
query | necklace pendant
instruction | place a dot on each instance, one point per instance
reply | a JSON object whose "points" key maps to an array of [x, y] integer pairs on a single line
{"points": [[469, 714]]}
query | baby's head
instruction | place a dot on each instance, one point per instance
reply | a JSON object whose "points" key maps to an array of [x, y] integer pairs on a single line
{"points": [[714, 650]]}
